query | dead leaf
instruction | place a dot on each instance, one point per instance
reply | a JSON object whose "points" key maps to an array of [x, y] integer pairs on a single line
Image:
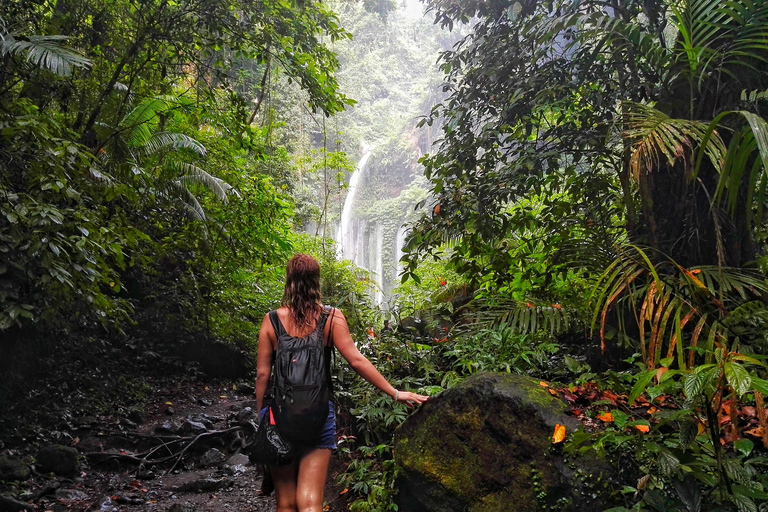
{"points": [[345, 491], [168, 403], [552, 392], [643, 428], [757, 432], [606, 417], [543, 384], [558, 436]]}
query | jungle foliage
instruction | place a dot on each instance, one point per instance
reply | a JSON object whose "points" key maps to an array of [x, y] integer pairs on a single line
{"points": [[603, 169]]}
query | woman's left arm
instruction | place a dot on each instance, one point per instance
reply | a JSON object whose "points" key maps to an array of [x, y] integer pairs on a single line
{"points": [[264, 361]]}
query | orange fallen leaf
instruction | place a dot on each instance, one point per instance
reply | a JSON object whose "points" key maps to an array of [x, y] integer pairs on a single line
{"points": [[701, 429], [543, 384], [552, 392], [529, 304], [557, 306], [558, 436], [643, 428], [345, 491], [757, 432], [607, 417], [436, 210]]}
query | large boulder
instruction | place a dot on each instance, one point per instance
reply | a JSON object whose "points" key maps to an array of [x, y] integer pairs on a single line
{"points": [[58, 459], [486, 446], [12, 469]]}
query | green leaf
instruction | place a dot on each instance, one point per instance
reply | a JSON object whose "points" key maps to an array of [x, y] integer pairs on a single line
{"points": [[642, 382], [738, 378], [744, 446]]}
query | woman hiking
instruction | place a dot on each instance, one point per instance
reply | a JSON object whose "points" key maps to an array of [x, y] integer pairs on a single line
{"points": [[301, 322]]}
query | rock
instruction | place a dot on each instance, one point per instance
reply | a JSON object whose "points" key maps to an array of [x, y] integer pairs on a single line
{"points": [[205, 402], [485, 446], [246, 389], [202, 418], [70, 495], [178, 507], [245, 415], [238, 459], [61, 460], [145, 474], [136, 416], [207, 484], [166, 428], [8, 504], [212, 457], [105, 505], [12, 469], [170, 411], [194, 427]]}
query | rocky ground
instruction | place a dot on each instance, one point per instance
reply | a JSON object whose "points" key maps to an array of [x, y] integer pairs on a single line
{"points": [[179, 452]]}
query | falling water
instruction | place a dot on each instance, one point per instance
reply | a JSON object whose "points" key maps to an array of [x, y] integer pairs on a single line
{"points": [[399, 241], [379, 240], [345, 236]]}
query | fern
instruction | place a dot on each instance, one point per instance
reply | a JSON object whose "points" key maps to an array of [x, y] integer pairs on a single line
{"points": [[47, 52]]}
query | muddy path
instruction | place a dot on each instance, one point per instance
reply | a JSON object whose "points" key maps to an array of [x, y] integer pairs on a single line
{"points": [[179, 452]]}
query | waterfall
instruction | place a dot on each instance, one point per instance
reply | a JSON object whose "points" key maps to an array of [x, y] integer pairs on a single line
{"points": [[399, 241], [345, 237], [379, 240]]}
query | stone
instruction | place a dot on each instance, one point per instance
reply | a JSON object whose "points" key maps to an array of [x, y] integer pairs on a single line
{"points": [[137, 416], [206, 484], [58, 459], [239, 459], [12, 470], [8, 504], [166, 428], [105, 505], [178, 507], [485, 446], [70, 495], [245, 415], [212, 457], [194, 427]]}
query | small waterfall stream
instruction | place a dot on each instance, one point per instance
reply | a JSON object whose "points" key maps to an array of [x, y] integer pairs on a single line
{"points": [[345, 237]]}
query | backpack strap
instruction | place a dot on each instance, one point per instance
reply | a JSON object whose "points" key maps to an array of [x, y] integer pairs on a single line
{"points": [[277, 325], [329, 352]]}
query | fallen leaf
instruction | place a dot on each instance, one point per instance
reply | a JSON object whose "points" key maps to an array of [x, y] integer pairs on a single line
{"points": [[223, 396], [757, 432], [552, 392], [436, 209], [701, 428], [345, 491], [558, 436], [643, 428], [168, 403], [543, 384], [607, 417]]}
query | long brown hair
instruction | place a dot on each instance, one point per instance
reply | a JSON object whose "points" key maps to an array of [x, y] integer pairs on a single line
{"points": [[302, 289]]}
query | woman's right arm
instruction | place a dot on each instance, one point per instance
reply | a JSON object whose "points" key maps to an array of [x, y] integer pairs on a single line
{"points": [[342, 340], [264, 361]]}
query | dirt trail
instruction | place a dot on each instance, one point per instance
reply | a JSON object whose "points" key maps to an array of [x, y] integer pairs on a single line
{"points": [[202, 420]]}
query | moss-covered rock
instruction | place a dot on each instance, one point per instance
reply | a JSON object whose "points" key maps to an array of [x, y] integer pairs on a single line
{"points": [[12, 469], [485, 446], [58, 459]]}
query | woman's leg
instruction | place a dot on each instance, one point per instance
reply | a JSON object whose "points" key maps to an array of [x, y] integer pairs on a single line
{"points": [[313, 471], [284, 478]]}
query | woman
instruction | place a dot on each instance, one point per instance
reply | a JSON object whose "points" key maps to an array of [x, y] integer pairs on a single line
{"points": [[300, 485]]}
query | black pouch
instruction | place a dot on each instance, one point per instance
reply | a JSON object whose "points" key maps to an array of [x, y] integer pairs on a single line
{"points": [[269, 447]]}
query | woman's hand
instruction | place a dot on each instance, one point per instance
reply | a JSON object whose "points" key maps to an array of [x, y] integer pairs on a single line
{"points": [[410, 399]]}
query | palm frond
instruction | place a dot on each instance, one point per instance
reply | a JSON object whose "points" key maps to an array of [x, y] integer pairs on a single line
{"points": [[665, 298], [171, 140], [656, 136], [522, 317], [192, 174], [750, 144], [48, 52]]}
